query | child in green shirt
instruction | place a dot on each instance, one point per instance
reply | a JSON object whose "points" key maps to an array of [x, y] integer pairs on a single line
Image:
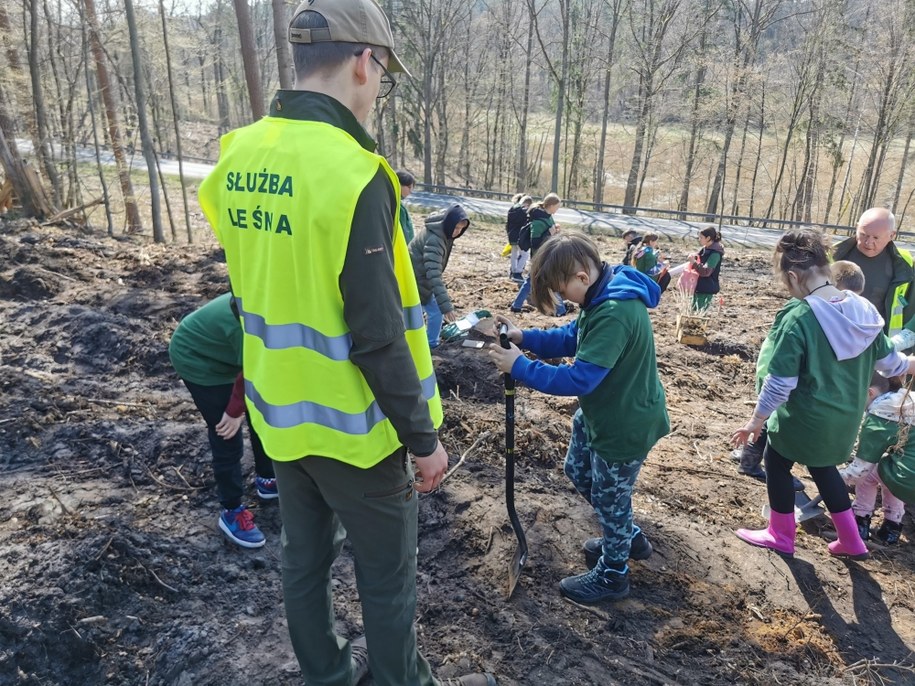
{"points": [[889, 407], [206, 351], [819, 357], [622, 408]]}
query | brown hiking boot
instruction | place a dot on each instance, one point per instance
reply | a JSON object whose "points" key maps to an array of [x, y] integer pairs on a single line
{"points": [[470, 680]]}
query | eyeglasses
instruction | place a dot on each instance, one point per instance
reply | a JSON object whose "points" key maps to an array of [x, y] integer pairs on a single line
{"points": [[387, 80]]}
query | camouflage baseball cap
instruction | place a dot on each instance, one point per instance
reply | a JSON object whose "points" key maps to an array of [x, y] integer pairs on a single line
{"points": [[349, 21]]}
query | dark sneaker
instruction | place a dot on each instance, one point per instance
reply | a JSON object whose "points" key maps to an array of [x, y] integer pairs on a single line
{"points": [[639, 549], [595, 586], [470, 680], [516, 310], [888, 533], [359, 655], [266, 488], [517, 278], [754, 472], [239, 527], [864, 526]]}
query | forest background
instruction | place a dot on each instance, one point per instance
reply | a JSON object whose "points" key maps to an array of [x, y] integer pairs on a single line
{"points": [[786, 109]]}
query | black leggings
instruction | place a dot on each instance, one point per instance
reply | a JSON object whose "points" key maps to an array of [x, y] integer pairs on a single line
{"points": [[780, 486]]}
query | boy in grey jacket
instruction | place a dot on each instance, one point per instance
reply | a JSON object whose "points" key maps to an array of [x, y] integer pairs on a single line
{"points": [[429, 253]]}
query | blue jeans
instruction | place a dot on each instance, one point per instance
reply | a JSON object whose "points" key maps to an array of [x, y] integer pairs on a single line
{"points": [[525, 291], [434, 320], [608, 487]]}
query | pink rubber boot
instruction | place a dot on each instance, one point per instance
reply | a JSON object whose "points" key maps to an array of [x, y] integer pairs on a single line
{"points": [[778, 537], [849, 543]]}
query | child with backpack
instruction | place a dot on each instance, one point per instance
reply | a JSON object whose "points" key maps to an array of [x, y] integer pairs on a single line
{"points": [[615, 377], [533, 235], [816, 363], [430, 251], [649, 260], [514, 222], [890, 408], [206, 351]]}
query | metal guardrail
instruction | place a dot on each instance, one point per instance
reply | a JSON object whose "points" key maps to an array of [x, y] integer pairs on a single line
{"points": [[631, 210]]}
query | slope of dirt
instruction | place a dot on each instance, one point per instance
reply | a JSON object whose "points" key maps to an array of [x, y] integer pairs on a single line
{"points": [[114, 572]]}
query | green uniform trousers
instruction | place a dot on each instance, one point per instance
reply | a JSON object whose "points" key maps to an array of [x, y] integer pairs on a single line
{"points": [[702, 301], [323, 501]]}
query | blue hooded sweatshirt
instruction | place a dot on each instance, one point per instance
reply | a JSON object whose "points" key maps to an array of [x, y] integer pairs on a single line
{"points": [[579, 378]]}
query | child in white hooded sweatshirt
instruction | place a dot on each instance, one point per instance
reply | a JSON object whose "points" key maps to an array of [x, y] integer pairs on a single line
{"points": [[817, 362]]}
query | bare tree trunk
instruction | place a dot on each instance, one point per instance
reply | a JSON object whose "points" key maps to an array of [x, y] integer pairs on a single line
{"points": [[25, 182], [249, 58], [522, 175], [847, 179], [759, 141], [735, 201], [283, 51], [441, 150], [904, 162], [114, 128], [146, 141], [219, 74], [560, 94], [616, 11], [43, 140], [91, 106], [635, 164], [683, 205], [60, 54], [174, 104]]}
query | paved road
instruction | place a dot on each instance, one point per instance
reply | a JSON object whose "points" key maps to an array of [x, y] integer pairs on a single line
{"points": [[495, 210], [607, 222]]}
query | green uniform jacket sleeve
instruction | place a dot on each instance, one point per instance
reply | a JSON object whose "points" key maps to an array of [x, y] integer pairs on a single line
{"points": [[406, 223], [373, 312]]}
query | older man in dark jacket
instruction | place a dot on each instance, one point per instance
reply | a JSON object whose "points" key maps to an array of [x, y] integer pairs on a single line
{"points": [[888, 272]]}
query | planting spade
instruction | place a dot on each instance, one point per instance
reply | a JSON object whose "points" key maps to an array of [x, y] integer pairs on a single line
{"points": [[804, 507], [520, 555]]}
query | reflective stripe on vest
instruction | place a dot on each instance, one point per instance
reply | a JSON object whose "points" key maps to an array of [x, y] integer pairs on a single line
{"points": [[286, 416], [281, 201], [280, 336], [899, 298]]}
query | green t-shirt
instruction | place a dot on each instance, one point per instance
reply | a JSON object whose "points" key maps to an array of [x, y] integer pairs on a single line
{"points": [[626, 414], [206, 347], [714, 259], [646, 260], [877, 435], [541, 225], [818, 424]]}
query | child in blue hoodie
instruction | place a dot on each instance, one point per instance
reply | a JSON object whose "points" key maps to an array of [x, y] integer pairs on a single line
{"points": [[615, 377]]}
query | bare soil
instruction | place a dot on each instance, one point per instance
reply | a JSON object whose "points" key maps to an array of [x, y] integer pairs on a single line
{"points": [[113, 570]]}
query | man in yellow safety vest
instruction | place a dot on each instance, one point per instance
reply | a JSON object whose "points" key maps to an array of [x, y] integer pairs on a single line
{"points": [[339, 382], [888, 272]]}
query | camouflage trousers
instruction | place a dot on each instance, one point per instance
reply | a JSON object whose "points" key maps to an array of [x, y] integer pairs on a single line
{"points": [[608, 487]]}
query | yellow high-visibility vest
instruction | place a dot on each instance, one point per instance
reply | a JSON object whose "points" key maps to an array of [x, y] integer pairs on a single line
{"points": [[284, 222], [899, 298]]}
